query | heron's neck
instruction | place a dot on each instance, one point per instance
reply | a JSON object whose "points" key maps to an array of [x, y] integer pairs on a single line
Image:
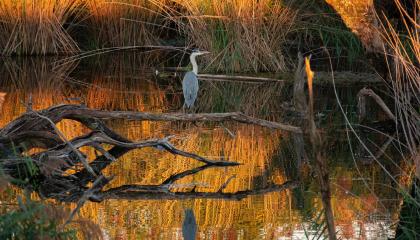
{"points": [[194, 64]]}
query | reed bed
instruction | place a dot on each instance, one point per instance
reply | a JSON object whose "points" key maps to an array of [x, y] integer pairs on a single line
{"points": [[127, 22], [37, 26], [243, 35]]}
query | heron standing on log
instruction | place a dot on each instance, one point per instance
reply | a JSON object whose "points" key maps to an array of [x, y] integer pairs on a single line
{"points": [[190, 81]]}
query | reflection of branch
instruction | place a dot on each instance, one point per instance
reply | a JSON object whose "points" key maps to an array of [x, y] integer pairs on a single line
{"points": [[95, 138], [157, 194], [178, 176], [74, 188], [99, 183], [226, 183]]}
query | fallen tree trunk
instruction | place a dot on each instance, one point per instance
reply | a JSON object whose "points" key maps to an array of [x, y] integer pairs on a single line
{"points": [[86, 115]]}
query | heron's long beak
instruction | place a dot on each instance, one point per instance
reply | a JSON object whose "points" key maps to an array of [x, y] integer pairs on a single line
{"points": [[204, 52]]}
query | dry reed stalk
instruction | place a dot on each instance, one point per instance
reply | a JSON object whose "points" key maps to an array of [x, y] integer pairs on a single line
{"points": [[127, 22], [243, 35], [404, 52], [37, 26]]}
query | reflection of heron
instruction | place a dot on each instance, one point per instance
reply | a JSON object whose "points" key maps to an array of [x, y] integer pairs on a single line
{"points": [[190, 81], [189, 226]]}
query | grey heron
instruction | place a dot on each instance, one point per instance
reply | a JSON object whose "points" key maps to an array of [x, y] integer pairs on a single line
{"points": [[190, 81]]}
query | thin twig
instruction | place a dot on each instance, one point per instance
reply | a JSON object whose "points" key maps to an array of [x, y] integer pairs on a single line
{"points": [[225, 184]]}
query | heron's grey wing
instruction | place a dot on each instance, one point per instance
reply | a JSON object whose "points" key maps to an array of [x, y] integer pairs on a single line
{"points": [[190, 88]]}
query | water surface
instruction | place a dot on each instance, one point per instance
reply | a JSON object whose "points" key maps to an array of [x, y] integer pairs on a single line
{"points": [[364, 199]]}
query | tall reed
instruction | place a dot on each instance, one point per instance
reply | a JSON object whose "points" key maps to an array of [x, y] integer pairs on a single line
{"points": [[126, 22], [31, 27], [404, 65], [403, 55], [243, 35]]}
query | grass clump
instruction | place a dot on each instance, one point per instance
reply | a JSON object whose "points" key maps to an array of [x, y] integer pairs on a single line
{"points": [[33, 220], [31, 27], [25, 218], [242, 35]]}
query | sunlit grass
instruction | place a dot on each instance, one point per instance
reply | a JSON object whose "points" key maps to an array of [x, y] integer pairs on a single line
{"points": [[243, 35], [127, 22], [37, 26]]}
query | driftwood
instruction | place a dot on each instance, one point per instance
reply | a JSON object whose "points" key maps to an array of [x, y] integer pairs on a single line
{"points": [[47, 171], [300, 106], [299, 96], [237, 78], [80, 113], [345, 77], [361, 103]]}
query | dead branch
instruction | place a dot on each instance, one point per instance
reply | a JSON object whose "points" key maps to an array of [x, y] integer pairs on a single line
{"points": [[343, 77], [82, 114], [63, 137], [38, 129], [226, 184], [299, 97], [238, 78], [361, 103]]}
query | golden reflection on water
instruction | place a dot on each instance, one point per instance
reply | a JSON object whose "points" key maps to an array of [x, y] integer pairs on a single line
{"points": [[268, 216]]}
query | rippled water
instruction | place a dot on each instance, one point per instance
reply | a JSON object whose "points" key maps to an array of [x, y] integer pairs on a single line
{"points": [[364, 201]]}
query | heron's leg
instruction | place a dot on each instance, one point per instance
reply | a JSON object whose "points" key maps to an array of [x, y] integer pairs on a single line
{"points": [[183, 108], [193, 110]]}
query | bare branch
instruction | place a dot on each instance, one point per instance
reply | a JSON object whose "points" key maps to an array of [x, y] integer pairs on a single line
{"points": [[81, 113], [226, 183], [361, 103]]}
